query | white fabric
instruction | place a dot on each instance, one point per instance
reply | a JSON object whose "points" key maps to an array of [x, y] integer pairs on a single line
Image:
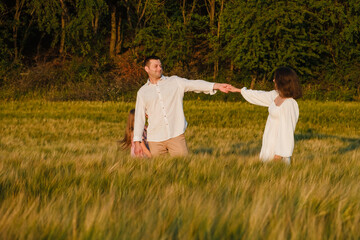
{"points": [[163, 103], [278, 138]]}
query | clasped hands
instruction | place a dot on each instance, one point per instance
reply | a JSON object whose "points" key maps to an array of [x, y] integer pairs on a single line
{"points": [[224, 87]]}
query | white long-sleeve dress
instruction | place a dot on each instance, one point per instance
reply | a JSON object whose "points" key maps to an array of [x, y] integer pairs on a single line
{"points": [[278, 138]]}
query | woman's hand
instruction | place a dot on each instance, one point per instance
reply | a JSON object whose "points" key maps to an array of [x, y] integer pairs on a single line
{"points": [[234, 89]]}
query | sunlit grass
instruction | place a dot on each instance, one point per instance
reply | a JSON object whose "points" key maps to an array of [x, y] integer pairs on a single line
{"points": [[63, 177]]}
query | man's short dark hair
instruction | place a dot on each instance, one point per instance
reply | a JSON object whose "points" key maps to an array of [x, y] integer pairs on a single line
{"points": [[147, 59]]}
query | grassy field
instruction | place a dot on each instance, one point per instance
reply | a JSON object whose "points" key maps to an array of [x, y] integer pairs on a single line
{"points": [[62, 175]]}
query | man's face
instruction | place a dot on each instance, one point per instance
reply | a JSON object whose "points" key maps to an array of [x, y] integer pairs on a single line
{"points": [[154, 69]]}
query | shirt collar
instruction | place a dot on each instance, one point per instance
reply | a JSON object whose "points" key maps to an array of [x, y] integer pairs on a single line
{"points": [[159, 82]]}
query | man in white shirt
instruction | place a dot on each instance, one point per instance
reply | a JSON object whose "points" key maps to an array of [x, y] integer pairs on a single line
{"points": [[161, 99]]}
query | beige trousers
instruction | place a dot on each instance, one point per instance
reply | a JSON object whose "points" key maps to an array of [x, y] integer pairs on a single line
{"points": [[174, 146]]}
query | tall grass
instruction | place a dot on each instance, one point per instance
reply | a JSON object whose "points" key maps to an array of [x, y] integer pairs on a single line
{"points": [[62, 175]]}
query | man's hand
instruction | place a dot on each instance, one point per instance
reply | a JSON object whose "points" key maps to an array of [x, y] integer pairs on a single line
{"points": [[223, 87], [138, 150]]}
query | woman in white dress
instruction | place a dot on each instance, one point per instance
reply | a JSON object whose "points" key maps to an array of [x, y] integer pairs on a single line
{"points": [[278, 138]]}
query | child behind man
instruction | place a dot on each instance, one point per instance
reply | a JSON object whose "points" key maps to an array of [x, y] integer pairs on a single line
{"points": [[127, 141]]}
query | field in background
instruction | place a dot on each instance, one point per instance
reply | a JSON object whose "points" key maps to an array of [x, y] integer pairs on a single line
{"points": [[62, 175]]}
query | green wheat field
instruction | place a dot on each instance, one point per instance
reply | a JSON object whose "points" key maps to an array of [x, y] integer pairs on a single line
{"points": [[62, 175]]}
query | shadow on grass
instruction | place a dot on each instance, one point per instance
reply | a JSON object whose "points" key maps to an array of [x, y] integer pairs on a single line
{"points": [[203, 150], [352, 143], [246, 149], [243, 149], [253, 147]]}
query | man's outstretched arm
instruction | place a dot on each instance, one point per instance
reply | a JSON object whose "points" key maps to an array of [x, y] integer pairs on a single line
{"points": [[203, 86]]}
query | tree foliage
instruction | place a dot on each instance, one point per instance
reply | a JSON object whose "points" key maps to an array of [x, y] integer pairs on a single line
{"points": [[241, 39]]}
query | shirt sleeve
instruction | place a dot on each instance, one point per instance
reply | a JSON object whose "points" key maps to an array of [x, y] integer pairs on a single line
{"points": [[261, 98], [288, 120], [139, 121], [196, 86]]}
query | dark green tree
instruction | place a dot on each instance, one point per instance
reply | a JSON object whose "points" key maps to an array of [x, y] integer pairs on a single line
{"points": [[262, 35]]}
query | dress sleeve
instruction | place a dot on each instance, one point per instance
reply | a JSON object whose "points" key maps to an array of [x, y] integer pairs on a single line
{"points": [[288, 120], [261, 98], [196, 86], [139, 121]]}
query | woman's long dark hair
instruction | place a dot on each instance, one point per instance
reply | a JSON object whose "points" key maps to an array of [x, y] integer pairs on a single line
{"points": [[287, 83]]}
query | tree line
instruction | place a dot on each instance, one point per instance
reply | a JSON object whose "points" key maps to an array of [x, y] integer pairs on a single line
{"points": [[229, 39]]}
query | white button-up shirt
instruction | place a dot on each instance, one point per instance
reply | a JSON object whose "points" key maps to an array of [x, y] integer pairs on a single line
{"points": [[163, 103]]}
